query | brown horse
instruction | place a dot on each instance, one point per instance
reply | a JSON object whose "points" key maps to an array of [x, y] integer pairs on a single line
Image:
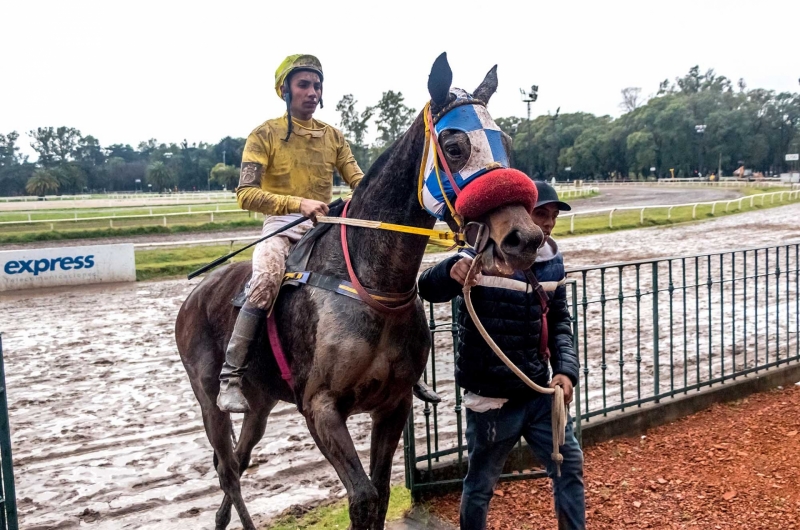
{"points": [[346, 358]]}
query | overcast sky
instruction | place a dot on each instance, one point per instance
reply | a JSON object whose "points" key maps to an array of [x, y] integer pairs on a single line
{"points": [[127, 71]]}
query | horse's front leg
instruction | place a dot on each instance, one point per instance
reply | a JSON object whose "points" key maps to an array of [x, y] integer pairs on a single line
{"points": [[329, 429], [387, 427]]}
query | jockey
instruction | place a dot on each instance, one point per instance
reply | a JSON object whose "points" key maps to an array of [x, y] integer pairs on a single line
{"points": [[287, 173], [287, 170]]}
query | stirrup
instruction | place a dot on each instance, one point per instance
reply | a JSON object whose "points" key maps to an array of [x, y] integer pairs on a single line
{"points": [[231, 398]]}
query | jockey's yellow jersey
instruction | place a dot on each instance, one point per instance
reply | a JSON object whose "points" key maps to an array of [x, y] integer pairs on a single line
{"points": [[277, 175]]}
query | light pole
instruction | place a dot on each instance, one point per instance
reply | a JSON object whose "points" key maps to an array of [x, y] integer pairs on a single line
{"points": [[554, 120], [529, 97], [700, 130]]}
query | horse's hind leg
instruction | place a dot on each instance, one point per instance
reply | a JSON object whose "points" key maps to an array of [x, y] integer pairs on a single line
{"points": [[253, 427], [387, 427], [329, 429], [218, 430]]}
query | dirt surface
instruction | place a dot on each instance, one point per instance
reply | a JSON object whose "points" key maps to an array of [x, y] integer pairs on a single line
{"points": [[649, 196], [106, 428], [689, 474]]}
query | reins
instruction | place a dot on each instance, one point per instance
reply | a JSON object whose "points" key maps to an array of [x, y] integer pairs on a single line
{"points": [[409, 298], [559, 410], [437, 237]]}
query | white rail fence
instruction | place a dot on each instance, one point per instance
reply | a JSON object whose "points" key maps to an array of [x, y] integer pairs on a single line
{"points": [[118, 196], [30, 198], [678, 183], [563, 193], [789, 194], [752, 199], [112, 218], [196, 209]]}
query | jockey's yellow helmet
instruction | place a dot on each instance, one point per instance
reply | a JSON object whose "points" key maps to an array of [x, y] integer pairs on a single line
{"points": [[294, 63]]}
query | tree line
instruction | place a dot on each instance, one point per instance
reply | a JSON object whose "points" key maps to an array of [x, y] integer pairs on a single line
{"points": [[691, 126]]}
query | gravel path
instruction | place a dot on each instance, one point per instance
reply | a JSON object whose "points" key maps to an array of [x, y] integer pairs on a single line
{"points": [[690, 474]]}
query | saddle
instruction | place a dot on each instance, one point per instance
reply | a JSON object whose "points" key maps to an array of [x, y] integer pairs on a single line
{"points": [[297, 273], [296, 262]]}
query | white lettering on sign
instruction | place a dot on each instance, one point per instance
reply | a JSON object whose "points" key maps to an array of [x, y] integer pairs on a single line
{"points": [[53, 267]]}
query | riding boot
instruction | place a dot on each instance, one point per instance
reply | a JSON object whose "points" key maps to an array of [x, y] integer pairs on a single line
{"points": [[231, 398], [426, 393]]}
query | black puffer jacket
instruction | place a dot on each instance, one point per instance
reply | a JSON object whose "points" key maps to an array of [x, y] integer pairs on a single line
{"points": [[513, 319]]}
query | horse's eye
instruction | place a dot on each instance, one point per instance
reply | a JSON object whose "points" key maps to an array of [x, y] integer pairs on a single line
{"points": [[453, 150]]}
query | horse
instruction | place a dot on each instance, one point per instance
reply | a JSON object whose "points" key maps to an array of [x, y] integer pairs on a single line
{"points": [[346, 357]]}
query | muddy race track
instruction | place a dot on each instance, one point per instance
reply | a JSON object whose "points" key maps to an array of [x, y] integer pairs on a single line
{"points": [[105, 427]]}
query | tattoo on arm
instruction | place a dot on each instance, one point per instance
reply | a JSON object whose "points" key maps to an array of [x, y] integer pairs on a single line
{"points": [[250, 175]]}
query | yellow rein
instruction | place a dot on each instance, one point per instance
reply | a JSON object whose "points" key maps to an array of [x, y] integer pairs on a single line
{"points": [[437, 237]]}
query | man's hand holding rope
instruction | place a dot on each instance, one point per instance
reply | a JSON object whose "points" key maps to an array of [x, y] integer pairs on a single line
{"points": [[566, 384]]}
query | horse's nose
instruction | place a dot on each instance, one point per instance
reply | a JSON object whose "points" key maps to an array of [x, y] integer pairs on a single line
{"points": [[522, 242]]}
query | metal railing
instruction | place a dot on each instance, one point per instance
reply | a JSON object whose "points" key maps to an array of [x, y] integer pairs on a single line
{"points": [[8, 494], [645, 331], [657, 328]]}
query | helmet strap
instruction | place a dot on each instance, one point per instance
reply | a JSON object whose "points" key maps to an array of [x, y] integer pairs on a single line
{"points": [[287, 96]]}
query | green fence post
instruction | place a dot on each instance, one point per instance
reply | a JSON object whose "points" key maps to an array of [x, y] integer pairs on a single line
{"points": [[576, 347], [656, 367], [6, 462]]}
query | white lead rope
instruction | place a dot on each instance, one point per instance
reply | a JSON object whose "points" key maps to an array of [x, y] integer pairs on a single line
{"points": [[559, 413]]}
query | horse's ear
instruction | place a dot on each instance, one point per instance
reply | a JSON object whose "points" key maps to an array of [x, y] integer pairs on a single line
{"points": [[488, 86], [439, 81]]}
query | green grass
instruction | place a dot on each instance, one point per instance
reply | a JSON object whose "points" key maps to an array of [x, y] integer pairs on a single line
{"points": [[152, 264], [69, 213], [336, 517], [100, 233]]}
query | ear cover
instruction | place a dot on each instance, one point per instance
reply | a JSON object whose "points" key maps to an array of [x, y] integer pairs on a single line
{"points": [[496, 188], [439, 80]]}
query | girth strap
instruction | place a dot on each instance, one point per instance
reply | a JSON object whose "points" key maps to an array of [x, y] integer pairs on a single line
{"points": [[277, 350], [329, 283]]}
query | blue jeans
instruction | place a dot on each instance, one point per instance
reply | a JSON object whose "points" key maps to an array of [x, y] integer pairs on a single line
{"points": [[490, 437]]}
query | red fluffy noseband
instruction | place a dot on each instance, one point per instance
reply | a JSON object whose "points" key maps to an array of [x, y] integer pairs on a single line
{"points": [[496, 188]]}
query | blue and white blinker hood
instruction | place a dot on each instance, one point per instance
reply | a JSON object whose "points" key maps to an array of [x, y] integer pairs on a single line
{"points": [[468, 115]]}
